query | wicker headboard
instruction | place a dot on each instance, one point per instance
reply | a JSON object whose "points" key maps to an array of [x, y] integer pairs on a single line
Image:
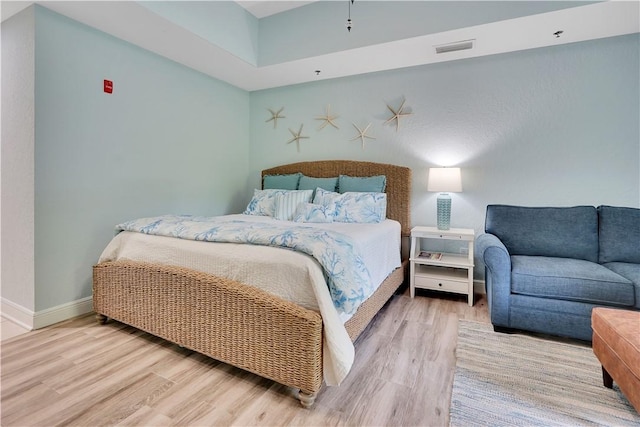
{"points": [[398, 182]]}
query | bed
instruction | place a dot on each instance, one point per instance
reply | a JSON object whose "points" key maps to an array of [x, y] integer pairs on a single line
{"points": [[239, 324]]}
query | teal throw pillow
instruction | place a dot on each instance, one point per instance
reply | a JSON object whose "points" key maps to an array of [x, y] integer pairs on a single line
{"points": [[310, 183], [370, 184], [281, 182]]}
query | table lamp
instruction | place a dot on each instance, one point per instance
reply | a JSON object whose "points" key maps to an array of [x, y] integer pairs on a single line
{"points": [[444, 180]]}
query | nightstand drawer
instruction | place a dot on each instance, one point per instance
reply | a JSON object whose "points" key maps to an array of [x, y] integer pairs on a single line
{"points": [[441, 285]]}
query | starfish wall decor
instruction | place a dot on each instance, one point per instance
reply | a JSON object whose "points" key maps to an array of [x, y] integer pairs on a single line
{"points": [[297, 137], [327, 119], [275, 115], [362, 134], [397, 114]]}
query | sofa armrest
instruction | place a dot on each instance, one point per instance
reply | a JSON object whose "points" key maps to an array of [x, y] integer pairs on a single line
{"points": [[497, 261]]}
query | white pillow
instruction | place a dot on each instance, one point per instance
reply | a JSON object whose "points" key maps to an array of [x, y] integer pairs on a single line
{"points": [[354, 206], [286, 203], [310, 212]]}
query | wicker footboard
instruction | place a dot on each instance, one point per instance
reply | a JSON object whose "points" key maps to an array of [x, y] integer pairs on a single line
{"points": [[226, 320]]}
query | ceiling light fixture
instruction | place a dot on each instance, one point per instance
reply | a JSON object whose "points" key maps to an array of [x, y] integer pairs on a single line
{"points": [[349, 22]]}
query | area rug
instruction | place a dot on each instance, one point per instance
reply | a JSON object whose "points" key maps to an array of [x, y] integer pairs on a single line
{"points": [[507, 380]]}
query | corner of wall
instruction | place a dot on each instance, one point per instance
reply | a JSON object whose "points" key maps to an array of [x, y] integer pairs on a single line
{"points": [[17, 190]]}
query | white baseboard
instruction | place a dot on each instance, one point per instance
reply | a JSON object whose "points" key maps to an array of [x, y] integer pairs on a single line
{"points": [[479, 287], [30, 320], [62, 312], [17, 313]]}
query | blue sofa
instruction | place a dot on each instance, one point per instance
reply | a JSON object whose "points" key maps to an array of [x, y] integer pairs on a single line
{"points": [[546, 267]]}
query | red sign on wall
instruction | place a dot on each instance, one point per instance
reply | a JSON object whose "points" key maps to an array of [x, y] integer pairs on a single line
{"points": [[108, 86]]}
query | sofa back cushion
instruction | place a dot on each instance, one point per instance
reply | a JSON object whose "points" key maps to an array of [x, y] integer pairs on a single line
{"points": [[566, 232], [619, 230]]}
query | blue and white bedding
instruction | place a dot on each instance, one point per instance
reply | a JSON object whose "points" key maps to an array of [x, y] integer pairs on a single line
{"points": [[348, 278], [269, 263]]}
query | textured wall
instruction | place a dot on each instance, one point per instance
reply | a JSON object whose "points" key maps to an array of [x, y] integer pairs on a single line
{"points": [[168, 140], [17, 182], [551, 126]]}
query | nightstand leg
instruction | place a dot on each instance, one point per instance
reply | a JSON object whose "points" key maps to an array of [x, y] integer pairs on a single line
{"points": [[412, 267], [412, 284]]}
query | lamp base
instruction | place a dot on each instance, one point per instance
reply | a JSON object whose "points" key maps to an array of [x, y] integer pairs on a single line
{"points": [[444, 211]]}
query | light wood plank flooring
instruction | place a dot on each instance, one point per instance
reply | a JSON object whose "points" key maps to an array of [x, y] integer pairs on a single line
{"points": [[81, 373]]}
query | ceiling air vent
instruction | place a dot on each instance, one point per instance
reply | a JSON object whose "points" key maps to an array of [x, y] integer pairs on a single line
{"points": [[452, 47]]}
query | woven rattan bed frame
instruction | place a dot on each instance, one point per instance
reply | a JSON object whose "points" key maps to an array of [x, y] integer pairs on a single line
{"points": [[239, 324]]}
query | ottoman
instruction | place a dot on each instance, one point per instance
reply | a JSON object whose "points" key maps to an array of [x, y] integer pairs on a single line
{"points": [[616, 344]]}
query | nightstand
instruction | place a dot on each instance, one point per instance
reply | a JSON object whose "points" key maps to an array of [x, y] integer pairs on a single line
{"points": [[441, 270]]}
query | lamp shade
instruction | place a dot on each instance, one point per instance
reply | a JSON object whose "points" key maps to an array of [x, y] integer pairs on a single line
{"points": [[446, 180]]}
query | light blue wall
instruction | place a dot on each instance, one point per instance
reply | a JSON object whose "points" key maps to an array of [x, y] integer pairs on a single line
{"points": [[550, 126], [168, 140], [322, 24]]}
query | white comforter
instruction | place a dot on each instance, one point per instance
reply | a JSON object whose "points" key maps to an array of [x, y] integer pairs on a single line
{"points": [[287, 274]]}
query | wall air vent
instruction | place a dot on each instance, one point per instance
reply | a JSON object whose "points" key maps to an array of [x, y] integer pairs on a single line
{"points": [[455, 46]]}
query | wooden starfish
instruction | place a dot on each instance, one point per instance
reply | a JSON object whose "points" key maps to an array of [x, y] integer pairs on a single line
{"points": [[327, 119], [297, 137], [397, 114], [275, 115], [362, 134]]}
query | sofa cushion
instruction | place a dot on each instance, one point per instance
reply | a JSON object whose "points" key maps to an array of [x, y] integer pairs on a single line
{"points": [[628, 271], [619, 230], [569, 279], [568, 232]]}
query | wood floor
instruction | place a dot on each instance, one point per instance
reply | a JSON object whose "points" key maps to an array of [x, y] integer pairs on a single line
{"points": [[81, 373]]}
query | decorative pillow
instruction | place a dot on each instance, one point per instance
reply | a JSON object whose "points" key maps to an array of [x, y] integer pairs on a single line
{"points": [[310, 183], [286, 203], [370, 184], [282, 182], [354, 206], [310, 212], [263, 202]]}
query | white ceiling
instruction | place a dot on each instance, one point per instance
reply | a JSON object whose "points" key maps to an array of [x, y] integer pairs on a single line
{"points": [[124, 19]]}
